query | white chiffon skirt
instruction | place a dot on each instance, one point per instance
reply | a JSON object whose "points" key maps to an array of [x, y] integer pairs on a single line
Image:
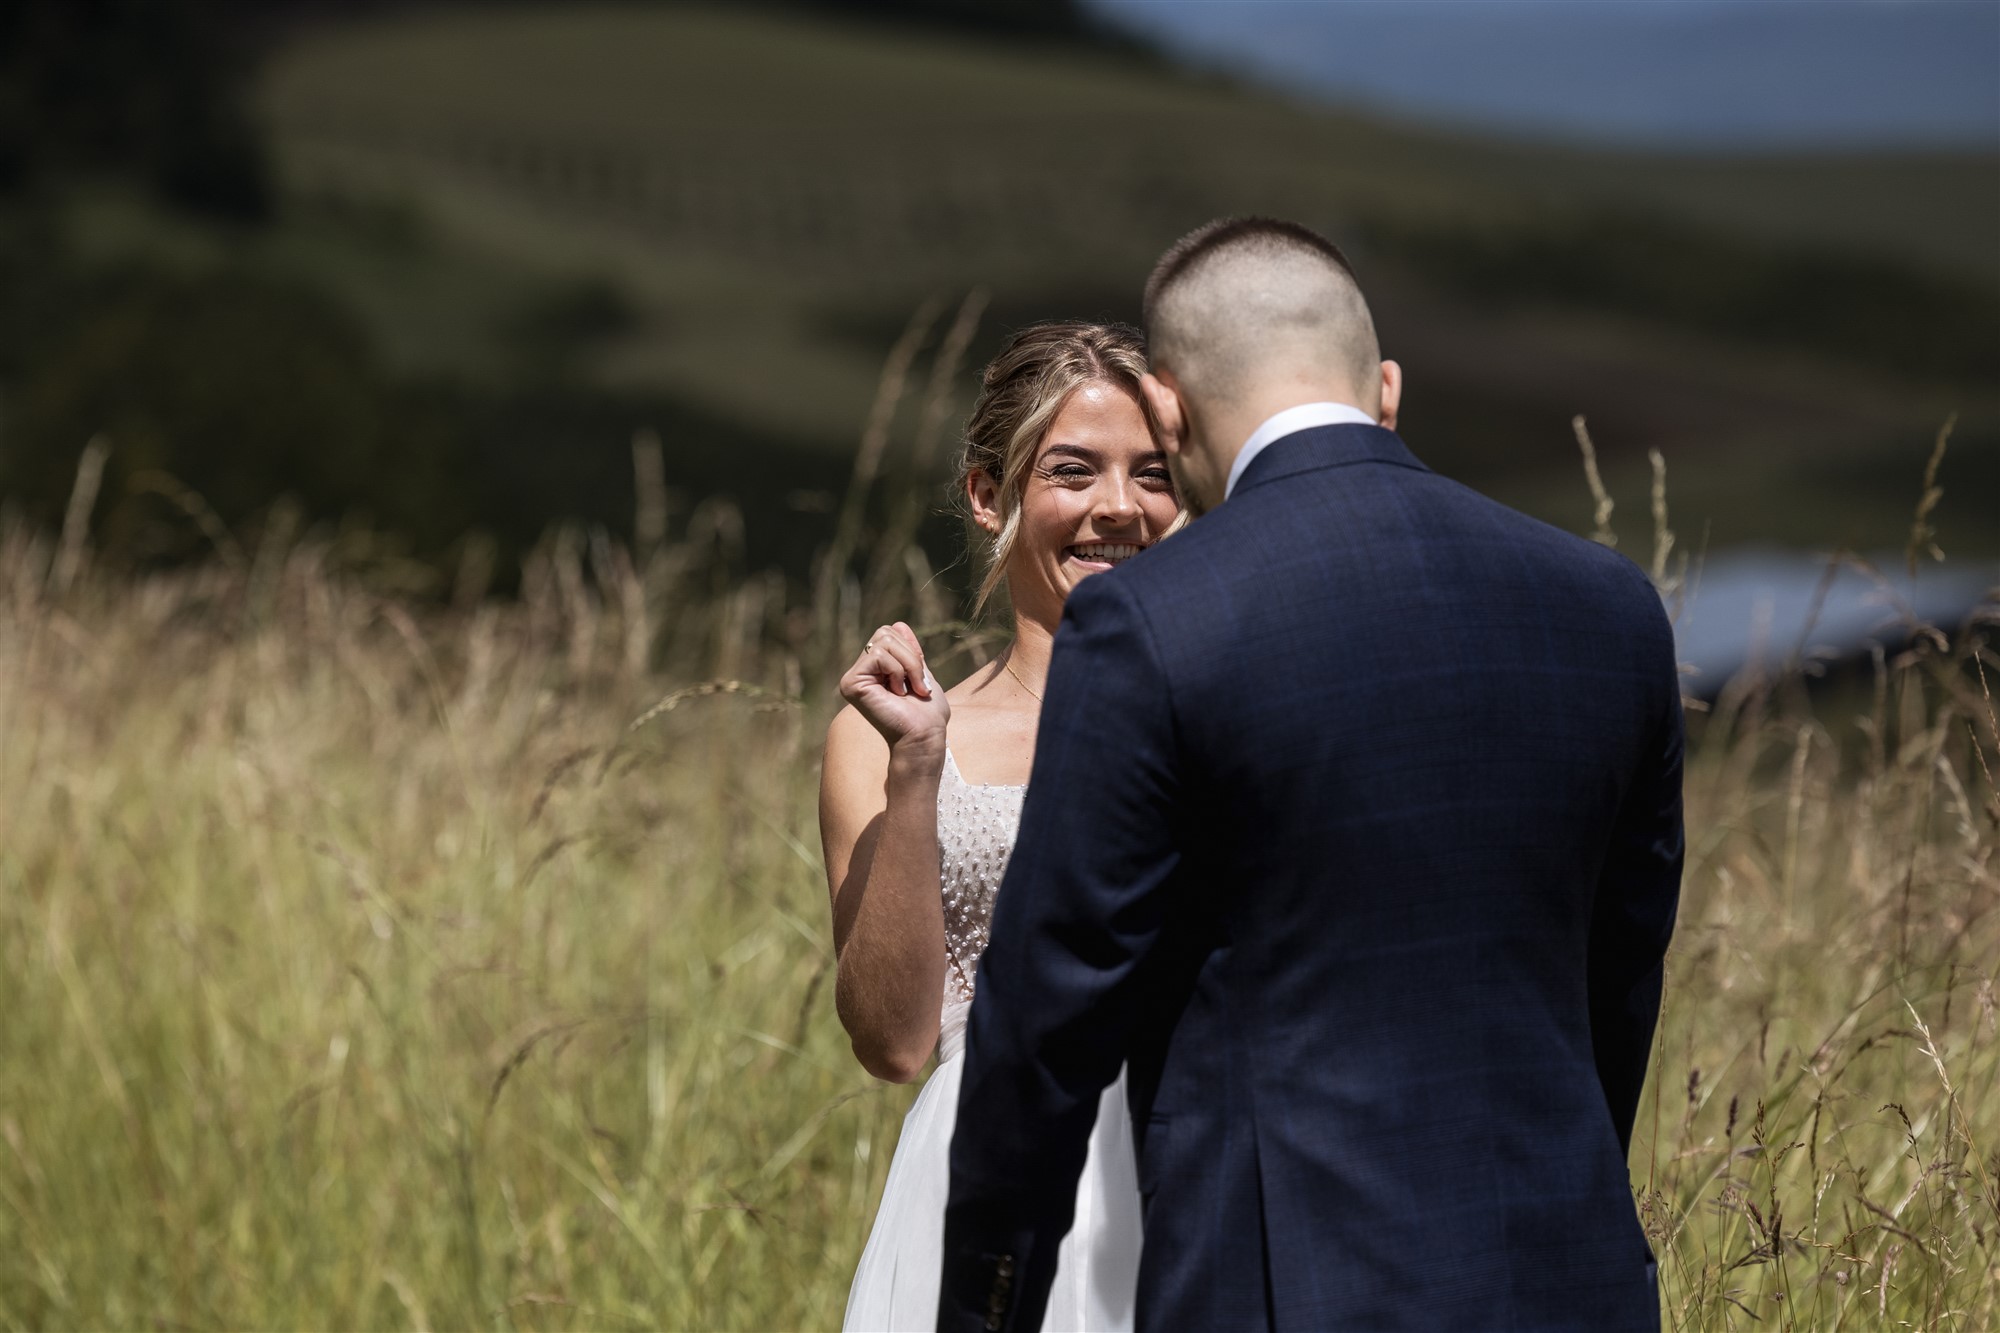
{"points": [[1097, 1267]]}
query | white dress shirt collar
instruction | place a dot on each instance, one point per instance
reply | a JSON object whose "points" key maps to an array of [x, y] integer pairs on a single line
{"points": [[1289, 422]]}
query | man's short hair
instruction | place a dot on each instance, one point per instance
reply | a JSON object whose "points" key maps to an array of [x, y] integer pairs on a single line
{"points": [[1237, 292], [1223, 233]]}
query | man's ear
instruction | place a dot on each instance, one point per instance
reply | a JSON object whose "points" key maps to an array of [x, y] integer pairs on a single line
{"points": [[984, 494], [1163, 396], [1392, 394]]}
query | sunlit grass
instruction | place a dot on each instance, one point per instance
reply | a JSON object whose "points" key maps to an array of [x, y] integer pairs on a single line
{"points": [[1818, 1147], [367, 963], [361, 970]]}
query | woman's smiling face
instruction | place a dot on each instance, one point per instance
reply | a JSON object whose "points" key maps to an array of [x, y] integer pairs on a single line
{"points": [[1098, 492]]}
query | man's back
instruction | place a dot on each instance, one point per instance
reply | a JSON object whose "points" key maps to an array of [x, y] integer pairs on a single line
{"points": [[1409, 717], [1390, 1001]]}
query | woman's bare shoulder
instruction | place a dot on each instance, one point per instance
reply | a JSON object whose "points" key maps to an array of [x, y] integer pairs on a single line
{"points": [[853, 744]]}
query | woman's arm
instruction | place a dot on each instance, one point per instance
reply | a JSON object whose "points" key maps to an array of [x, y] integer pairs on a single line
{"points": [[878, 829]]}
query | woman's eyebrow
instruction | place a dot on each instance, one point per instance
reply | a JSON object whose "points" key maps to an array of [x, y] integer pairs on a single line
{"points": [[1091, 455], [1073, 451]]}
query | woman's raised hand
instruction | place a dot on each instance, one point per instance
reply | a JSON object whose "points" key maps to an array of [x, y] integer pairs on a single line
{"points": [[891, 686]]}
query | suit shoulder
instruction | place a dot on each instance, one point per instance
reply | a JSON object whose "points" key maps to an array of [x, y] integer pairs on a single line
{"points": [[1618, 587], [1200, 545], [1623, 577], [1604, 565]]}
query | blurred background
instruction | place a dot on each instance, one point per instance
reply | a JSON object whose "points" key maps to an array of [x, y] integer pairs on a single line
{"points": [[425, 269]]}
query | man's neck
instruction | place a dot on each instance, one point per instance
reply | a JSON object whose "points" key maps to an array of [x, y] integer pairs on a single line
{"points": [[1289, 421], [1227, 426]]}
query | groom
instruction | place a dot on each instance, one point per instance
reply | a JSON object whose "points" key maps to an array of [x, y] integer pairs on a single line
{"points": [[1355, 831]]}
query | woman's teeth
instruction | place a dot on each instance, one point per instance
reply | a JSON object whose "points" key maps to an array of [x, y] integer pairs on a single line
{"points": [[1109, 553]]}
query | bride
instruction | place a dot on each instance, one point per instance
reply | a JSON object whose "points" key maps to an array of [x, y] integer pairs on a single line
{"points": [[921, 795]]}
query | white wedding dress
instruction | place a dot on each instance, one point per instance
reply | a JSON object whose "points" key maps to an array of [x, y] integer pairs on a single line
{"points": [[896, 1286]]}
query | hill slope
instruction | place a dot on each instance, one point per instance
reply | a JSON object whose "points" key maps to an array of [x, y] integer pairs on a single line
{"points": [[772, 196]]}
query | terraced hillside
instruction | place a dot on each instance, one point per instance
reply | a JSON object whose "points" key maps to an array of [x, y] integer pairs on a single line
{"points": [[774, 196]]}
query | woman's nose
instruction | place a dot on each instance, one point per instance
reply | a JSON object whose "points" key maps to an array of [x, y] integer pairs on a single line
{"points": [[1115, 500]]}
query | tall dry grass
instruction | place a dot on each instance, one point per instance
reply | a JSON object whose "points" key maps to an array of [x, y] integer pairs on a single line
{"points": [[364, 967], [376, 962]]}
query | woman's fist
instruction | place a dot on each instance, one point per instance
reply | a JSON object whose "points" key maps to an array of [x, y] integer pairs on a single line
{"points": [[891, 686]]}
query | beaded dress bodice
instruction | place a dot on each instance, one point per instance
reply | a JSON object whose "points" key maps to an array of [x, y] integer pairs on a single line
{"points": [[976, 824]]}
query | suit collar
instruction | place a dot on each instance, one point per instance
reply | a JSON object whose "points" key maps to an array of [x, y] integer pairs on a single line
{"points": [[1305, 416], [1325, 447]]}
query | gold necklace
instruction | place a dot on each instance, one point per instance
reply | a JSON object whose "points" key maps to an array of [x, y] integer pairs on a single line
{"points": [[1008, 667]]}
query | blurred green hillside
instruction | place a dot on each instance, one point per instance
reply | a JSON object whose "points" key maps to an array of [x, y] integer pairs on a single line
{"points": [[541, 228]]}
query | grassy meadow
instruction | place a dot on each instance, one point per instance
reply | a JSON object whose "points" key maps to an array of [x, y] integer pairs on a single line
{"points": [[374, 962]]}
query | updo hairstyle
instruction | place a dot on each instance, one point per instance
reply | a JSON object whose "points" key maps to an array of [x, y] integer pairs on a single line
{"points": [[1024, 388]]}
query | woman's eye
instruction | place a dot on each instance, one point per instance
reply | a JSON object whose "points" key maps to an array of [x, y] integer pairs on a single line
{"points": [[1069, 471]]}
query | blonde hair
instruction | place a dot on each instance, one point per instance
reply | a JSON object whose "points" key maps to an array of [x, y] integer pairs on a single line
{"points": [[1023, 390]]}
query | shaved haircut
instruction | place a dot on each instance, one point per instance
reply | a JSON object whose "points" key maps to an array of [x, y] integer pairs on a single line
{"points": [[1247, 296]]}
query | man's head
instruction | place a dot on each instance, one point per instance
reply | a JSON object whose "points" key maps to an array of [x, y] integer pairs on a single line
{"points": [[1246, 317]]}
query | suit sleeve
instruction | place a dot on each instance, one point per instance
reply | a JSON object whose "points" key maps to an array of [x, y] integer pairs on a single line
{"points": [[1638, 897], [1080, 908]]}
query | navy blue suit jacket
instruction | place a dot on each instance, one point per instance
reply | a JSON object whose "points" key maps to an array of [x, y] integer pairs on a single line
{"points": [[1355, 828]]}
